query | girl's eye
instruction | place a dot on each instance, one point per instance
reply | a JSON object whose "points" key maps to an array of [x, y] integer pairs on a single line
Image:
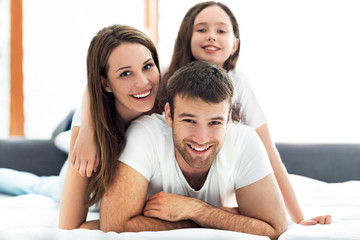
{"points": [[125, 74], [221, 31], [148, 66], [201, 30]]}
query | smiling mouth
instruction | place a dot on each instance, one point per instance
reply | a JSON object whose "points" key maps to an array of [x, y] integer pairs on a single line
{"points": [[143, 95], [211, 48], [199, 149]]}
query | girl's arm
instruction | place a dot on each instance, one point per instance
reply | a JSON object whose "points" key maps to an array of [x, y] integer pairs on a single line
{"points": [[72, 208], [85, 155], [282, 178]]}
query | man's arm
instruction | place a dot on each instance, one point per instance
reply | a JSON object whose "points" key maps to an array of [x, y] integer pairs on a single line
{"points": [[259, 203], [122, 205]]}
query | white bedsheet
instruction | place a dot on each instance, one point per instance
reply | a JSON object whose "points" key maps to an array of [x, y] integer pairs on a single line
{"points": [[36, 217]]}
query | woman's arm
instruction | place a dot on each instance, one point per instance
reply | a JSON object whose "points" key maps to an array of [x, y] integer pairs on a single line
{"points": [[282, 178], [85, 155], [72, 208]]}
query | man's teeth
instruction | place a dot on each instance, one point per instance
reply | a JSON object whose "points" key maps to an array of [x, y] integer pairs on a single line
{"points": [[200, 149], [142, 95]]}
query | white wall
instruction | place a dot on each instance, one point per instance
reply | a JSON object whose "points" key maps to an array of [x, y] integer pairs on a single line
{"points": [[56, 37], [303, 59]]}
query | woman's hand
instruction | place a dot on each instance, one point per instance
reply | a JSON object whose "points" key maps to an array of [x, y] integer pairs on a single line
{"points": [[325, 219]]}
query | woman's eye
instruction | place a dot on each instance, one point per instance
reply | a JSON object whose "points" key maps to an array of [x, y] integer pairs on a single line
{"points": [[148, 66], [125, 74]]}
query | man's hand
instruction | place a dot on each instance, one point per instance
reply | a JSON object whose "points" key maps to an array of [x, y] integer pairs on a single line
{"points": [[169, 207]]}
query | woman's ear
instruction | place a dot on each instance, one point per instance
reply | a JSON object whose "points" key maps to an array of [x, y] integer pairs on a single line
{"points": [[236, 45], [105, 84], [167, 111]]}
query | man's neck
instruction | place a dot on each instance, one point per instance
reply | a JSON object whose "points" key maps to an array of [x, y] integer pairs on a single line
{"points": [[195, 180]]}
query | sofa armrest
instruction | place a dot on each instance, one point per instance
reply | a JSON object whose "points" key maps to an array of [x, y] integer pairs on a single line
{"points": [[40, 157], [333, 162]]}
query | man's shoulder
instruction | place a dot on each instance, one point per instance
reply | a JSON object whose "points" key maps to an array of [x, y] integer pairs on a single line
{"points": [[154, 123], [240, 136], [240, 130]]}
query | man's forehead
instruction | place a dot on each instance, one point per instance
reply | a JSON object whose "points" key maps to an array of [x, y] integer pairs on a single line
{"points": [[187, 106]]}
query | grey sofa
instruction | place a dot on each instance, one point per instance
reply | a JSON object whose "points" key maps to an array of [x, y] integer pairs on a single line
{"points": [[325, 162]]}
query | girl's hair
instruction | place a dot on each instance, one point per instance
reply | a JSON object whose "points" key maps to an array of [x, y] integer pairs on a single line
{"points": [[182, 49], [108, 125]]}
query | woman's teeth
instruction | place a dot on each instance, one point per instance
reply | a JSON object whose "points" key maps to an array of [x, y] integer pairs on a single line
{"points": [[142, 95]]}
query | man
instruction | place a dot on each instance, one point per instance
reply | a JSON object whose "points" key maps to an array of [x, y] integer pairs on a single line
{"points": [[186, 165]]}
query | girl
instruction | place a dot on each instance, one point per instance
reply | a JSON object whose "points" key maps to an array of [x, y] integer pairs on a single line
{"points": [[210, 32], [123, 81]]}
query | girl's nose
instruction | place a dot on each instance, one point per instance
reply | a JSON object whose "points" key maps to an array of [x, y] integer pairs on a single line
{"points": [[212, 36]]}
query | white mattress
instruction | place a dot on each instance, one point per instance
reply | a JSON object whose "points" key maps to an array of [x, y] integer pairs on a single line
{"points": [[36, 217]]}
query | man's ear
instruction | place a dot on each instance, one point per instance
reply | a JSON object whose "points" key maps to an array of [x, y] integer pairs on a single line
{"points": [[105, 84], [236, 45], [229, 118], [167, 111]]}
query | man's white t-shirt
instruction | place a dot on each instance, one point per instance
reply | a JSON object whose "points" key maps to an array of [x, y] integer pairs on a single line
{"points": [[241, 161]]}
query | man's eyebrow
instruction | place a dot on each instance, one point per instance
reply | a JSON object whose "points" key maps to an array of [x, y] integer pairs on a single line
{"points": [[182, 115], [121, 68]]}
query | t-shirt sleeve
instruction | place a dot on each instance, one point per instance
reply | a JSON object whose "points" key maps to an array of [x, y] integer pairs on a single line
{"points": [[254, 164], [139, 152], [250, 109], [76, 121]]}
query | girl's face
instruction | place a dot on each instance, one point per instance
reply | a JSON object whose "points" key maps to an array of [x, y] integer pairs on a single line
{"points": [[133, 78], [213, 38]]}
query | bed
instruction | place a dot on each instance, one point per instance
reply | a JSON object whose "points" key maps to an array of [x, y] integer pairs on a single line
{"points": [[326, 179], [36, 217]]}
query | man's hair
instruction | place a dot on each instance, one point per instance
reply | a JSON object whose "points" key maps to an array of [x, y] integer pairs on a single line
{"points": [[202, 80]]}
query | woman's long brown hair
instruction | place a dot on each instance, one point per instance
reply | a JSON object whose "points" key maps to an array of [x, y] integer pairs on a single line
{"points": [[108, 125]]}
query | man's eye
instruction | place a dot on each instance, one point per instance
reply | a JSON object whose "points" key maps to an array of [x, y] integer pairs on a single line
{"points": [[125, 74], [188, 120]]}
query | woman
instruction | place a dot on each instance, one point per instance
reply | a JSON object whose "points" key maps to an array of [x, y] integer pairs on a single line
{"points": [[123, 81]]}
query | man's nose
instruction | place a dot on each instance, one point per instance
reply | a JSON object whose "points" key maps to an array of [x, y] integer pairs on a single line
{"points": [[201, 135]]}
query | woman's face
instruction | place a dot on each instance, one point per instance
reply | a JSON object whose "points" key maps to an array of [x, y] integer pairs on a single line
{"points": [[213, 37], [133, 78]]}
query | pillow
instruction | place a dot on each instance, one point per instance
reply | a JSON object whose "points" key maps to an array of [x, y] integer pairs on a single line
{"points": [[62, 141]]}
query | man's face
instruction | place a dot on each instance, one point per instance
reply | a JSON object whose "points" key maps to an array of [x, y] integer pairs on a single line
{"points": [[198, 131]]}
